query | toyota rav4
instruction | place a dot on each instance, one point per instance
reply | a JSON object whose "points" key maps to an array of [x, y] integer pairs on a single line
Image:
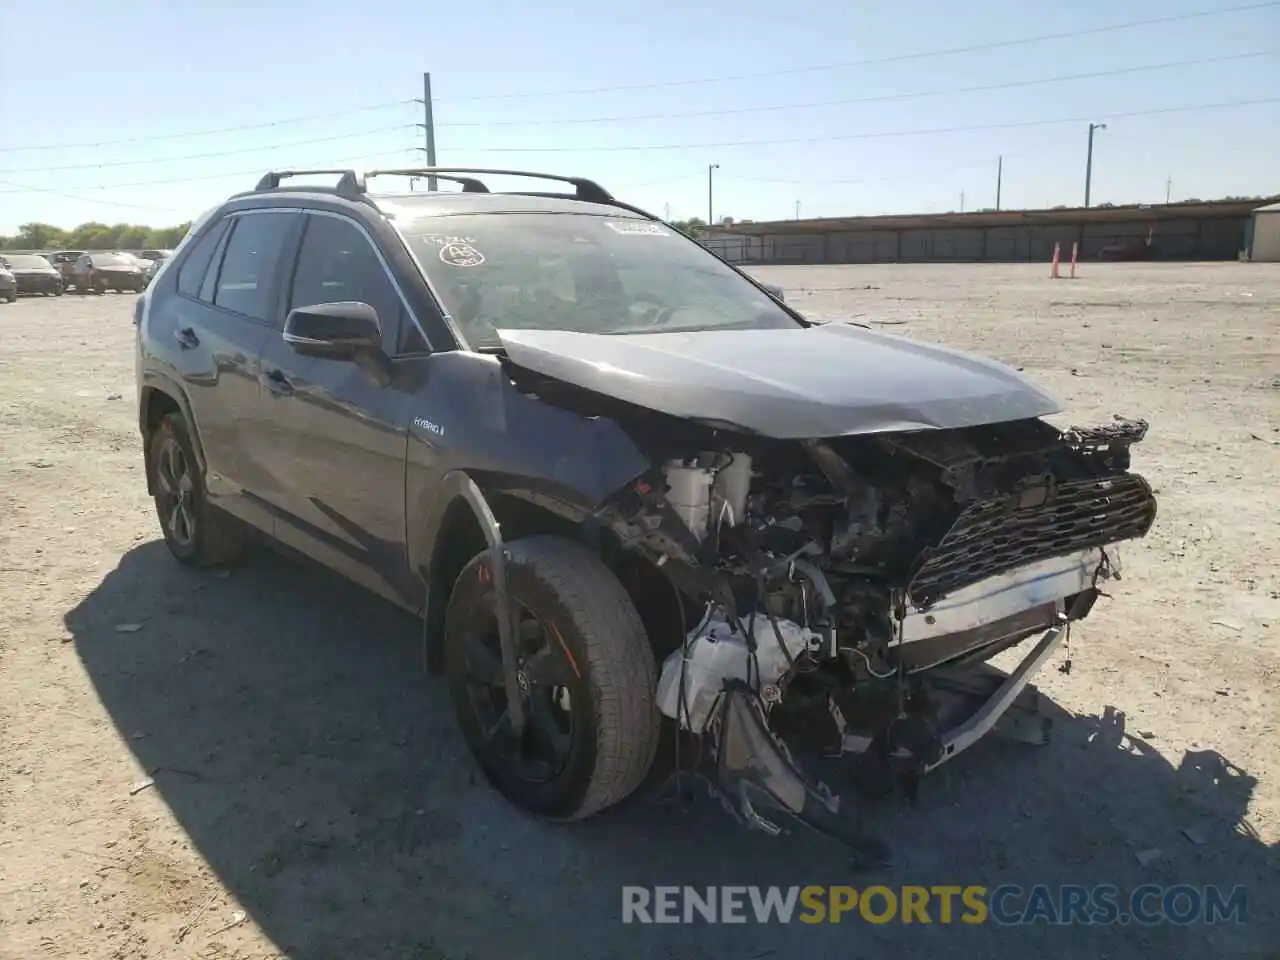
{"points": [[621, 481]]}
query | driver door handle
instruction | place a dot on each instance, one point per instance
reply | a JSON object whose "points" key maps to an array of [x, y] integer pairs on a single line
{"points": [[186, 338], [277, 383]]}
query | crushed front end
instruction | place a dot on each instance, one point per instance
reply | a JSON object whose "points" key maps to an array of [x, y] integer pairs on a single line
{"points": [[843, 596]]}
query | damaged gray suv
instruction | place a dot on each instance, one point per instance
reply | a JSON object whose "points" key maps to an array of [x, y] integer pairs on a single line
{"points": [[625, 485]]}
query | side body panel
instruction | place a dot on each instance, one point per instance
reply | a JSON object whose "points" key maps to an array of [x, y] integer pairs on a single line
{"points": [[333, 446], [331, 433], [468, 416], [214, 357]]}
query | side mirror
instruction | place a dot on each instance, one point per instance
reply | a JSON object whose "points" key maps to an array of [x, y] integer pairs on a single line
{"points": [[774, 291], [334, 331]]}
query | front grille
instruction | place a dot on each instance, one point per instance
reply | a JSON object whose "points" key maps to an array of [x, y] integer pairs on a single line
{"points": [[994, 536]]}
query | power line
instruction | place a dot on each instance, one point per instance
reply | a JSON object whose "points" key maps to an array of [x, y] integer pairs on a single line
{"points": [[891, 178], [378, 158], [1159, 142], [22, 188], [700, 113], [209, 156], [208, 133], [879, 98], [896, 58], [227, 175], [877, 135], [682, 146]]}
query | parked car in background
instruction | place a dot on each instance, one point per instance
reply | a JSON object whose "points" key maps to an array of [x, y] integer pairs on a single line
{"points": [[137, 261], [33, 273], [98, 272], [153, 260], [8, 285], [65, 262]]}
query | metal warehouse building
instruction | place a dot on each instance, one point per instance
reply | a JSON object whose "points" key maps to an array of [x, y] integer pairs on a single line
{"points": [[1264, 234], [1213, 230]]}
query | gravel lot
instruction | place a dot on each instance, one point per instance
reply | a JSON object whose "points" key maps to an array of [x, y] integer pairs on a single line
{"points": [[307, 774]]}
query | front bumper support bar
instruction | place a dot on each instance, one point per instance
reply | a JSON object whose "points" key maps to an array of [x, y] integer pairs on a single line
{"points": [[755, 772], [966, 734]]}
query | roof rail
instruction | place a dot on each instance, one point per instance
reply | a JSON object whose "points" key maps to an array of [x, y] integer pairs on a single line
{"points": [[349, 184], [586, 190], [469, 184]]}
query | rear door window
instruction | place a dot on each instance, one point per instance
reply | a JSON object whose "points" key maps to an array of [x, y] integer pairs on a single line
{"points": [[246, 277]]}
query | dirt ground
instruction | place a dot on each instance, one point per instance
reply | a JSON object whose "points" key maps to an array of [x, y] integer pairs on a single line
{"points": [[308, 782]]}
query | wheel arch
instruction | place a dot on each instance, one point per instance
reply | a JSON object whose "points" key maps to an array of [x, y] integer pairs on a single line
{"points": [[458, 527], [159, 397]]}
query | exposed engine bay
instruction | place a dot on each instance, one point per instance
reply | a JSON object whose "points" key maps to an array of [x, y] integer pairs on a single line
{"points": [[839, 586]]}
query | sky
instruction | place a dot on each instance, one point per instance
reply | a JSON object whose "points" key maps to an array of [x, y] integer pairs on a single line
{"points": [[151, 112]]}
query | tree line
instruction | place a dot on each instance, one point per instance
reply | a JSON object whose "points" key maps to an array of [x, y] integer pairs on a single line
{"points": [[94, 236]]}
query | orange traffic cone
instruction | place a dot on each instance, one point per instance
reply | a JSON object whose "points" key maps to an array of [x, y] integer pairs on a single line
{"points": [[1057, 258]]}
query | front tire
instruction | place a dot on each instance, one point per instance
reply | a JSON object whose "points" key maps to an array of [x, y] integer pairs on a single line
{"points": [[587, 674], [196, 532]]}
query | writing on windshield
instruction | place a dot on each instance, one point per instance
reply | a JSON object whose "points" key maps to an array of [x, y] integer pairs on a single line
{"points": [[583, 273]]}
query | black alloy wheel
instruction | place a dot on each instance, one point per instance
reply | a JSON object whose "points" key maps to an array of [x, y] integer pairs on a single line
{"points": [[585, 674], [544, 676], [196, 532], [175, 491]]}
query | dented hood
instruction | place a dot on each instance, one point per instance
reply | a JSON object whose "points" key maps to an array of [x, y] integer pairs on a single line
{"points": [[823, 381]]}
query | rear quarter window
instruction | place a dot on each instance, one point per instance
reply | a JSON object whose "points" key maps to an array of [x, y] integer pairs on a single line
{"points": [[196, 263]]}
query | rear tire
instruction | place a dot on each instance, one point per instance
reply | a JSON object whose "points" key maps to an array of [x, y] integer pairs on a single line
{"points": [[196, 532], [589, 679]]}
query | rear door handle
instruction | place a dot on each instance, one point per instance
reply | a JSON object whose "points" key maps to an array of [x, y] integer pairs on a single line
{"points": [[277, 383], [186, 338]]}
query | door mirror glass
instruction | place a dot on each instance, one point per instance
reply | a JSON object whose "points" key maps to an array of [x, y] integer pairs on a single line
{"points": [[334, 331]]}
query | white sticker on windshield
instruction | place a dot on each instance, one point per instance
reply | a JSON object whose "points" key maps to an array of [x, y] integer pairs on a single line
{"points": [[630, 228], [458, 254]]}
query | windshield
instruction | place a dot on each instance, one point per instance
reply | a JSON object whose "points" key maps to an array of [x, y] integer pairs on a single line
{"points": [[584, 273], [111, 260], [24, 261]]}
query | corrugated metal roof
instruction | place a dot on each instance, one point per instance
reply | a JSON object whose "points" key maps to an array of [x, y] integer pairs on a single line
{"points": [[1269, 208], [1002, 218]]}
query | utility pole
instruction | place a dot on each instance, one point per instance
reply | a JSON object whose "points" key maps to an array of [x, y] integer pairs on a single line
{"points": [[797, 209], [962, 201], [1168, 188], [710, 205], [999, 178], [1088, 164], [429, 128], [666, 212]]}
